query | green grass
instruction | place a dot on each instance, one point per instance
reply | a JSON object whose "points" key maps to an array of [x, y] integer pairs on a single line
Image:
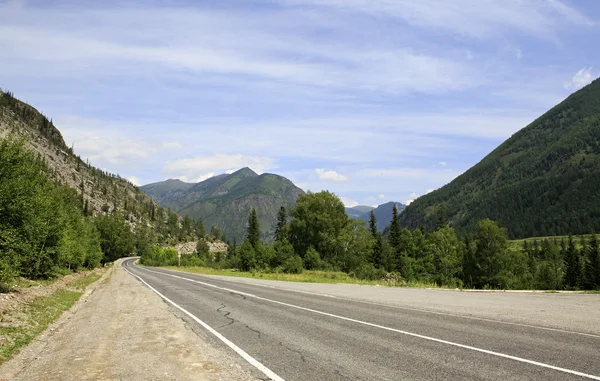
{"points": [[307, 276], [19, 327]]}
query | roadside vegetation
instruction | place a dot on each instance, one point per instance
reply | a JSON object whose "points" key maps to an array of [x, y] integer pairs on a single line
{"points": [[19, 326], [318, 240]]}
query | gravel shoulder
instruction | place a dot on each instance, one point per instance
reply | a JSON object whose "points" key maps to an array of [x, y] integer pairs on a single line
{"points": [[567, 311], [121, 330]]}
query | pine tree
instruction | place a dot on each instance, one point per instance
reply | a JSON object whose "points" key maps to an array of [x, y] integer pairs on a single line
{"points": [[442, 220], [395, 229], [373, 224], [281, 228], [253, 233], [592, 265], [573, 266], [200, 233]]}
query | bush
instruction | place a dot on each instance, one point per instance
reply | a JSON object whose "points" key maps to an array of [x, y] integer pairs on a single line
{"points": [[312, 259], [293, 265], [367, 271]]}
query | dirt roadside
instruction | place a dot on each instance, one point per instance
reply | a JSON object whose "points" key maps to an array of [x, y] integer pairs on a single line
{"points": [[121, 330]]}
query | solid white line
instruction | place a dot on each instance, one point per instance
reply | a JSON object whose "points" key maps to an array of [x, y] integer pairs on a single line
{"points": [[405, 308], [498, 354], [266, 371]]}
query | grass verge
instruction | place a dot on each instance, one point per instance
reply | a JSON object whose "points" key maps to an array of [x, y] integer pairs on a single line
{"points": [[19, 327], [307, 276]]}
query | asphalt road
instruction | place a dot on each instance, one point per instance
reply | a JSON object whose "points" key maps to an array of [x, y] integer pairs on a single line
{"points": [[300, 336]]}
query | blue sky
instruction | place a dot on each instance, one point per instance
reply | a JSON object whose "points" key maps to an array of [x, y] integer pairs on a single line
{"points": [[375, 100]]}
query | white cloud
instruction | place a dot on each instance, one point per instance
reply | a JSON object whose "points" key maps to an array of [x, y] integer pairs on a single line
{"points": [[348, 203], [429, 190], [443, 163], [582, 78], [330, 175], [172, 145], [381, 196], [408, 202], [203, 167], [476, 19]]}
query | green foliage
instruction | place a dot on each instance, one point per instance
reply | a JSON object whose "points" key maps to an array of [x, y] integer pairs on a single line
{"points": [[116, 238], [247, 256], [253, 233], [281, 228], [318, 220], [293, 265], [592, 265], [43, 232], [202, 248], [543, 181], [312, 259]]}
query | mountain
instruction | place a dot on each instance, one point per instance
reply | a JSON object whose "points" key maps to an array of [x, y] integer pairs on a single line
{"points": [[225, 201], [542, 181], [383, 213], [100, 191], [358, 211]]}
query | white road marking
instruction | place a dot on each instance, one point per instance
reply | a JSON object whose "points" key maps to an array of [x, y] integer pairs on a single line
{"points": [[258, 365], [398, 307], [410, 308], [481, 350]]}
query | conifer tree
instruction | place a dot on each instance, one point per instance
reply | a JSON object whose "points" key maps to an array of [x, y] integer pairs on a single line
{"points": [[395, 229], [373, 224], [572, 262], [592, 265], [281, 228], [253, 233]]}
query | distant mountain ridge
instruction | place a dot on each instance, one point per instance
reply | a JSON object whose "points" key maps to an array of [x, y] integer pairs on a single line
{"points": [[383, 213], [225, 201], [542, 181]]}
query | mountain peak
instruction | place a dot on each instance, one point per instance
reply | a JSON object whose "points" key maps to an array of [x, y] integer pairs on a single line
{"points": [[246, 172]]}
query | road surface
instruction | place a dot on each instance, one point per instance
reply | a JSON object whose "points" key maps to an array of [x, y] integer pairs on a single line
{"points": [[294, 335]]}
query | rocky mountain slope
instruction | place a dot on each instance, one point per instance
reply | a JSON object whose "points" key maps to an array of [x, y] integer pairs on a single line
{"points": [[102, 192], [542, 181], [225, 201]]}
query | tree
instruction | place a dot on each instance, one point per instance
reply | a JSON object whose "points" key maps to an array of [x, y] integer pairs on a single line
{"points": [[281, 228], [592, 265], [318, 220], [491, 244], [442, 220], [447, 256], [373, 224], [394, 236], [247, 256], [253, 232], [202, 248], [573, 271]]}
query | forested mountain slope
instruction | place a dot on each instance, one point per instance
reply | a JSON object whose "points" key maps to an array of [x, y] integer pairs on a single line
{"points": [[225, 201], [542, 181]]}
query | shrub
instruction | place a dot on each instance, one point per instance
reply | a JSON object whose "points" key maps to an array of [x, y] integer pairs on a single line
{"points": [[293, 265]]}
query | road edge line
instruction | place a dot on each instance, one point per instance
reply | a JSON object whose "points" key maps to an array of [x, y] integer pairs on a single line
{"points": [[257, 364], [429, 338]]}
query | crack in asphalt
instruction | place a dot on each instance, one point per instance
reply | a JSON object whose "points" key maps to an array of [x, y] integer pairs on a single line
{"points": [[293, 350], [231, 320], [236, 294], [254, 330]]}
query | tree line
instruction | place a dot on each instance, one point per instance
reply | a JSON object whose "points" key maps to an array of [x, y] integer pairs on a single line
{"points": [[318, 235]]}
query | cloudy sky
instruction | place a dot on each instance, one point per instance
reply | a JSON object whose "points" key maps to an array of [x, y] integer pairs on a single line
{"points": [[375, 100]]}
